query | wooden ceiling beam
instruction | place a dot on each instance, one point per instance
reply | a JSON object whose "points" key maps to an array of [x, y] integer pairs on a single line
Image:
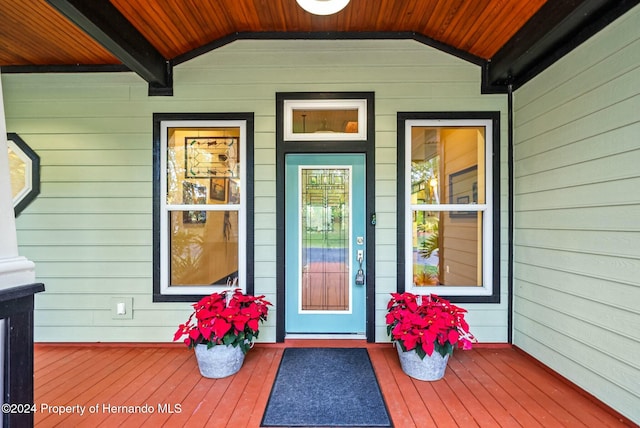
{"points": [[104, 23], [556, 29]]}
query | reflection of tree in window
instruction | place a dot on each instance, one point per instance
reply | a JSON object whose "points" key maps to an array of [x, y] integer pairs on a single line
{"points": [[424, 179]]}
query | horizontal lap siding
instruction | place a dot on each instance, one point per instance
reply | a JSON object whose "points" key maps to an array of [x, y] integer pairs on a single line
{"points": [[90, 230], [577, 211]]}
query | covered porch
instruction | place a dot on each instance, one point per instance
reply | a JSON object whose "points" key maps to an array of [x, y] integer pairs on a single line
{"points": [[568, 239], [488, 386]]}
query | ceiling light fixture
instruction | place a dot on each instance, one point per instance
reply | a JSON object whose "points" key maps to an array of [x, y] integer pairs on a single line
{"points": [[323, 7]]}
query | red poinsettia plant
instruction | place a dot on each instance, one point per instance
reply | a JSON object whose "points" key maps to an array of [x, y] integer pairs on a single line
{"points": [[225, 319], [427, 323]]}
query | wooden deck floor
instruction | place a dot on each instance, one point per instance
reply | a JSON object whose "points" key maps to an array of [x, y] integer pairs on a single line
{"points": [[487, 387]]}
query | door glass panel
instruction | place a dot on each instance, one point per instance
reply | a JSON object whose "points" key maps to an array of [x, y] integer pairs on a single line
{"points": [[325, 242]]}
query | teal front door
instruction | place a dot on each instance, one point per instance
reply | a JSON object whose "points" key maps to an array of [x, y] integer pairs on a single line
{"points": [[325, 243]]}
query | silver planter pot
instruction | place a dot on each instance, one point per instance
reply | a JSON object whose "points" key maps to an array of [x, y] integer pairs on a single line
{"points": [[430, 368], [219, 360]]}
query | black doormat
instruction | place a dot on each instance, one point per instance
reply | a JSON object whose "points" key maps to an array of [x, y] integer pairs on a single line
{"points": [[326, 387]]}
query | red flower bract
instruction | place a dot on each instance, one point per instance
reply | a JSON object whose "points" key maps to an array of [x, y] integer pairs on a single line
{"points": [[427, 323], [224, 318]]}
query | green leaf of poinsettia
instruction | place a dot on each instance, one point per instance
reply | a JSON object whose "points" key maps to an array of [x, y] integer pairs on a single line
{"points": [[445, 349], [420, 352]]}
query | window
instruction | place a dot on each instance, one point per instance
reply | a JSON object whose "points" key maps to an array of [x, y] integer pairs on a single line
{"points": [[325, 120], [201, 207], [24, 169], [447, 181]]}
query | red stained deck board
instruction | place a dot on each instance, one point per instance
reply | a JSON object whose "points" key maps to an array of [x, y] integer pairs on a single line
{"points": [[493, 382], [492, 411], [391, 388], [482, 387]]}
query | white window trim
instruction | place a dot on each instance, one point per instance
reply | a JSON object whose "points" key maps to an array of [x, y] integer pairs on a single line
{"points": [[165, 288], [487, 209], [335, 104]]}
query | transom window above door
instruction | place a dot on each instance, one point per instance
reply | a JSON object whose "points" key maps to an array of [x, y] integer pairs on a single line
{"points": [[325, 119]]}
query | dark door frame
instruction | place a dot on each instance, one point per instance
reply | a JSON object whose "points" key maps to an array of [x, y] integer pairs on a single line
{"points": [[285, 147]]}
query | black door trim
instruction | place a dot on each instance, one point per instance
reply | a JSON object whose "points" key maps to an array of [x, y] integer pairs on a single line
{"points": [[285, 147]]}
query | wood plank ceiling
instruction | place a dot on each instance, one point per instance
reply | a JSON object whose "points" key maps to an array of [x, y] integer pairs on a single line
{"points": [[511, 39]]}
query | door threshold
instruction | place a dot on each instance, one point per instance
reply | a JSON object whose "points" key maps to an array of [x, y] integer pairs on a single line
{"points": [[334, 336]]}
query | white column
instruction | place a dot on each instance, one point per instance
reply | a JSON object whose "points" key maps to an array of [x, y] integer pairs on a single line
{"points": [[14, 270]]}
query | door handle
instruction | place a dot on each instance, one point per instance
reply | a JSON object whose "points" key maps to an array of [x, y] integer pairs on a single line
{"points": [[360, 272]]}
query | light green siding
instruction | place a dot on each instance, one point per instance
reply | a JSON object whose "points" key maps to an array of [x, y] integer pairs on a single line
{"points": [[577, 216], [90, 230]]}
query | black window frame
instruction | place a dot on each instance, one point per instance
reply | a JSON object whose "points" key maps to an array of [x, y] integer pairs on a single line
{"points": [[35, 173], [248, 163], [494, 117]]}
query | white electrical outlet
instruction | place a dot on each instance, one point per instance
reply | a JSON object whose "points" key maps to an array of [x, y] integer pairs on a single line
{"points": [[122, 308]]}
